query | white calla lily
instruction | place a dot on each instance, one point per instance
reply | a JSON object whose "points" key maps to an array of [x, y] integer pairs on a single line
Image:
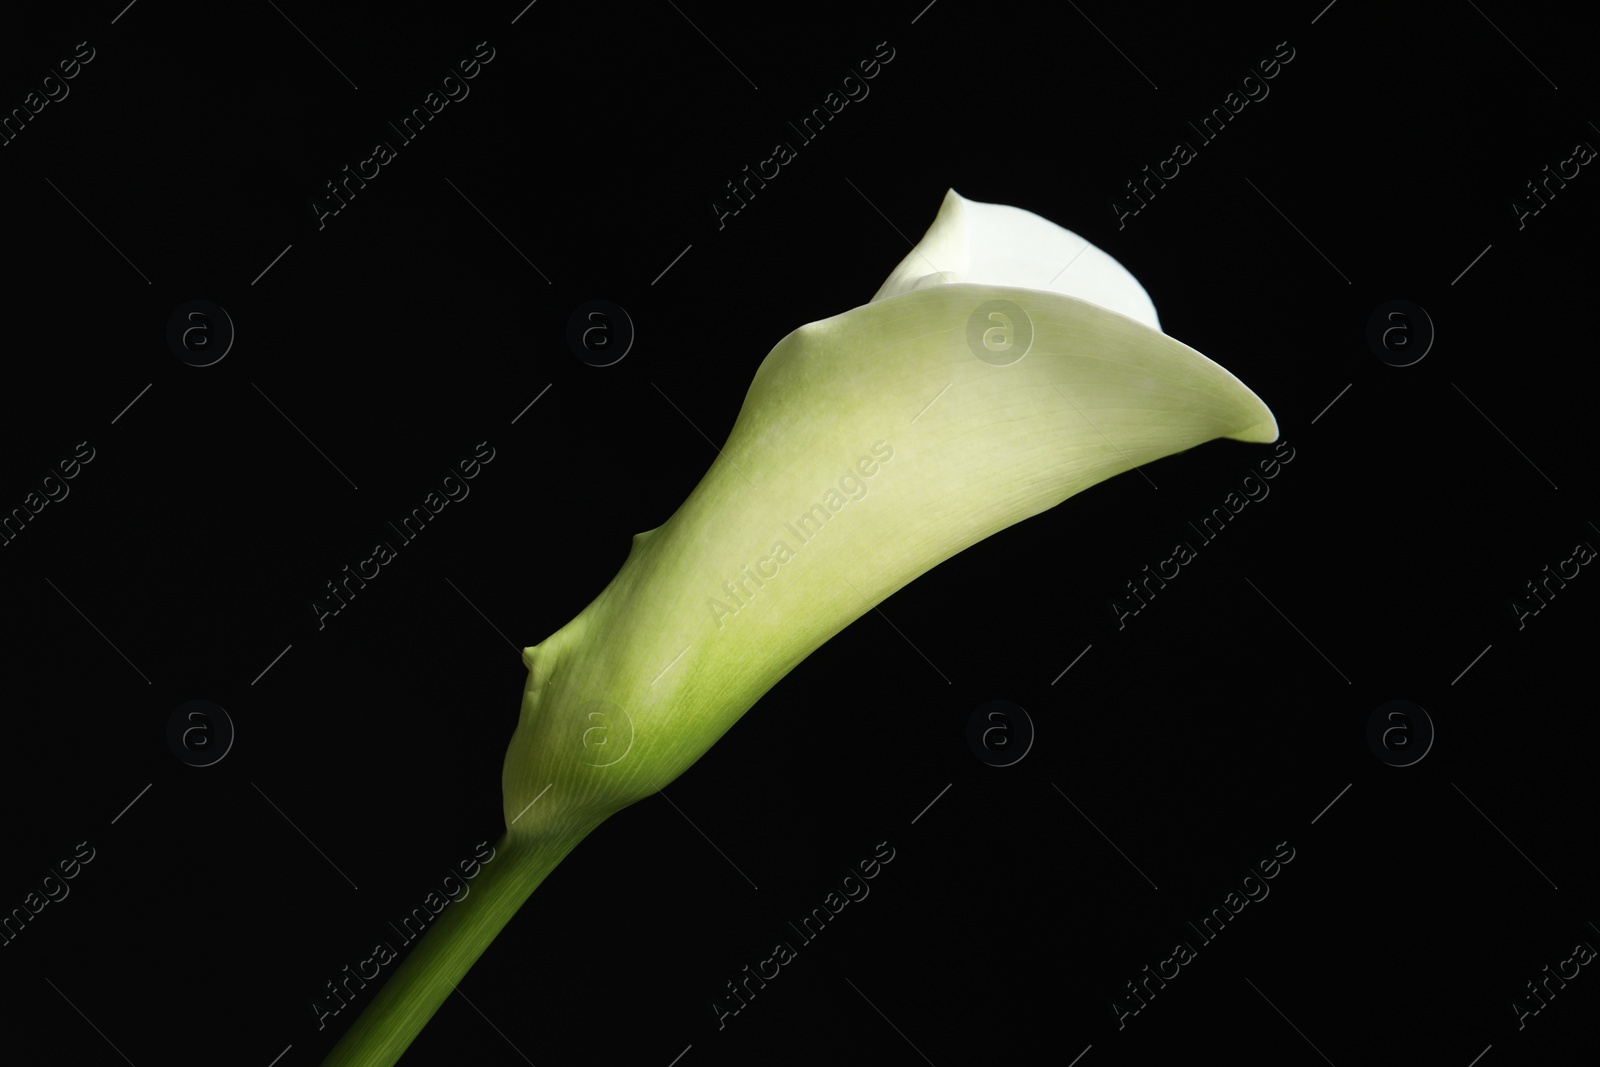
{"points": [[1004, 365], [966, 396]]}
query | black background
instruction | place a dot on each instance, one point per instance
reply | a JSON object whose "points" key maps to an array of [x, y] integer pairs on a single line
{"points": [[1176, 752]]}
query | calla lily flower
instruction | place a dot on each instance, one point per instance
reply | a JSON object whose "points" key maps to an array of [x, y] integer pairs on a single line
{"points": [[1004, 365]]}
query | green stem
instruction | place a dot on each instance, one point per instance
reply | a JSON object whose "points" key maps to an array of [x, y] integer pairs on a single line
{"points": [[417, 988]]}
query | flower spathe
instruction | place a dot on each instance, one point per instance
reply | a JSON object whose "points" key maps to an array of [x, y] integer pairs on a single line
{"points": [[1004, 365]]}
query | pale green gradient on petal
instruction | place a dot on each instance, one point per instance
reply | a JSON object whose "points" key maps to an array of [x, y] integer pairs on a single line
{"points": [[976, 448]]}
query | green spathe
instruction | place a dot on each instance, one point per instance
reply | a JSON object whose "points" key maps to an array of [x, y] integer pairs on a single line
{"points": [[624, 698]]}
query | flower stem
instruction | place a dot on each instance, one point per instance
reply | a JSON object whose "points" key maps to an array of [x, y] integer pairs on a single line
{"points": [[449, 948]]}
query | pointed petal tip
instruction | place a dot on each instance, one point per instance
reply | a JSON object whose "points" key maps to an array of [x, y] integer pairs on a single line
{"points": [[1256, 422], [1263, 431]]}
